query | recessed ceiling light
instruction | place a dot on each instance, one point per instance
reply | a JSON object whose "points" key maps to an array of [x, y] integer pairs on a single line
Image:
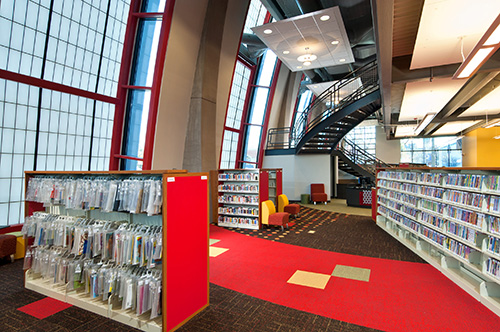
{"points": [[324, 18], [335, 42], [342, 60], [299, 67], [268, 31], [286, 52], [307, 63], [307, 57]]}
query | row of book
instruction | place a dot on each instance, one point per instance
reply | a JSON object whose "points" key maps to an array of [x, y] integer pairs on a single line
{"points": [[433, 235], [432, 192], [432, 206], [412, 200], [458, 248], [402, 207], [243, 199], [466, 233], [245, 176], [432, 178], [464, 180], [493, 224], [239, 187], [470, 217], [465, 198], [432, 219], [237, 221], [494, 244], [239, 210], [493, 267]]}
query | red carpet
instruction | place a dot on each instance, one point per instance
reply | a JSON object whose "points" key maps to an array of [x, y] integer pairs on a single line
{"points": [[44, 308], [400, 296]]}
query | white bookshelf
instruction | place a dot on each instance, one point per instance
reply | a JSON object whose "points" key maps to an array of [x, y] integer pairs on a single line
{"points": [[454, 225]]}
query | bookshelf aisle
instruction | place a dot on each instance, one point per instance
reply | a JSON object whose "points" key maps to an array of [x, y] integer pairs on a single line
{"points": [[125, 230], [238, 193], [451, 218]]}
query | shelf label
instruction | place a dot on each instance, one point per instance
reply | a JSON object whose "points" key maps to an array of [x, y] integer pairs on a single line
{"points": [[204, 177], [171, 179]]}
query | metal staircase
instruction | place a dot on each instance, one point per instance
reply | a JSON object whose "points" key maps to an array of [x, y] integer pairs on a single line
{"points": [[356, 161], [325, 122], [330, 116]]}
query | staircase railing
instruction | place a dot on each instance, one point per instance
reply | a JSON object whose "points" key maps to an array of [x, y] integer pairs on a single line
{"points": [[360, 157], [344, 92]]}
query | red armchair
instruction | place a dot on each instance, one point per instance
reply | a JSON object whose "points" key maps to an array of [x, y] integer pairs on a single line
{"points": [[318, 193]]}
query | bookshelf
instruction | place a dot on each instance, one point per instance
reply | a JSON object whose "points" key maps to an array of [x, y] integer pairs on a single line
{"points": [[185, 287], [449, 217], [238, 193]]}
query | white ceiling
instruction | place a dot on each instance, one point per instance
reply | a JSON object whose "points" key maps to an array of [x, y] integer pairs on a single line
{"points": [[405, 131], [425, 97], [454, 127], [308, 33], [444, 24]]}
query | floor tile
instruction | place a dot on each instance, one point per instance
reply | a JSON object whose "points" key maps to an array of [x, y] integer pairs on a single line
{"points": [[351, 272], [309, 279], [215, 251]]}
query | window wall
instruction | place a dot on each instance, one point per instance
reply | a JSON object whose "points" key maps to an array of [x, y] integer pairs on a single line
{"points": [[147, 25], [250, 100], [433, 151], [364, 137], [59, 70]]}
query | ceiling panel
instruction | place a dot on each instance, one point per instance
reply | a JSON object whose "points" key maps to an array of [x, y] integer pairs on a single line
{"points": [[308, 34], [487, 105], [453, 128], [444, 24], [425, 97], [405, 131]]}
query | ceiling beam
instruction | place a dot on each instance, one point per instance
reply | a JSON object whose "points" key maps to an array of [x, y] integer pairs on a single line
{"points": [[401, 72], [383, 16], [476, 88]]}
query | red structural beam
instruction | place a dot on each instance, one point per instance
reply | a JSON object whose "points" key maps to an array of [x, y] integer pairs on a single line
{"points": [[157, 79], [38, 82], [127, 53]]}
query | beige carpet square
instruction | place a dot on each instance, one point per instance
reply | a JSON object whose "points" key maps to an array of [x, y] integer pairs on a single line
{"points": [[350, 272], [309, 279], [215, 251], [212, 241]]}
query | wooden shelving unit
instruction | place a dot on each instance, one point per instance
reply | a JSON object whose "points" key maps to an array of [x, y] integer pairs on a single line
{"points": [[184, 220], [450, 218], [237, 195]]}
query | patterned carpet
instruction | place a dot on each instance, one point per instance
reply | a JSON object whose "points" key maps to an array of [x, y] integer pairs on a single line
{"points": [[228, 310], [343, 233]]}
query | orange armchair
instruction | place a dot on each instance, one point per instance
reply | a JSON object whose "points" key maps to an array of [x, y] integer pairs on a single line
{"points": [[271, 217], [318, 193], [285, 206]]}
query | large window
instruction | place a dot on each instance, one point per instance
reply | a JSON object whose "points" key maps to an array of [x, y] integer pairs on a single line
{"points": [[433, 152], [146, 31], [364, 137], [59, 69], [250, 99], [235, 108], [255, 127]]}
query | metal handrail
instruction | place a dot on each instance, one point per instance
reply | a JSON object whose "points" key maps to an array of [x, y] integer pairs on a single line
{"points": [[351, 88], [360, 157], [341, 94]]}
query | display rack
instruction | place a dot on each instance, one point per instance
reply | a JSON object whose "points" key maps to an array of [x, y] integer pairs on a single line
{"points": [[238, 193], [184, 258], [449, 217]]}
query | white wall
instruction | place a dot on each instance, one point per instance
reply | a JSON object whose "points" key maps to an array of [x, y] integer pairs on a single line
{"points": [[388, 151], [299, 171]]}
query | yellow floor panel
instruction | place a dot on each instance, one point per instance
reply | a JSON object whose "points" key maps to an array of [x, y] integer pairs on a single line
{"points": [[309, 279], [215, 251]]}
